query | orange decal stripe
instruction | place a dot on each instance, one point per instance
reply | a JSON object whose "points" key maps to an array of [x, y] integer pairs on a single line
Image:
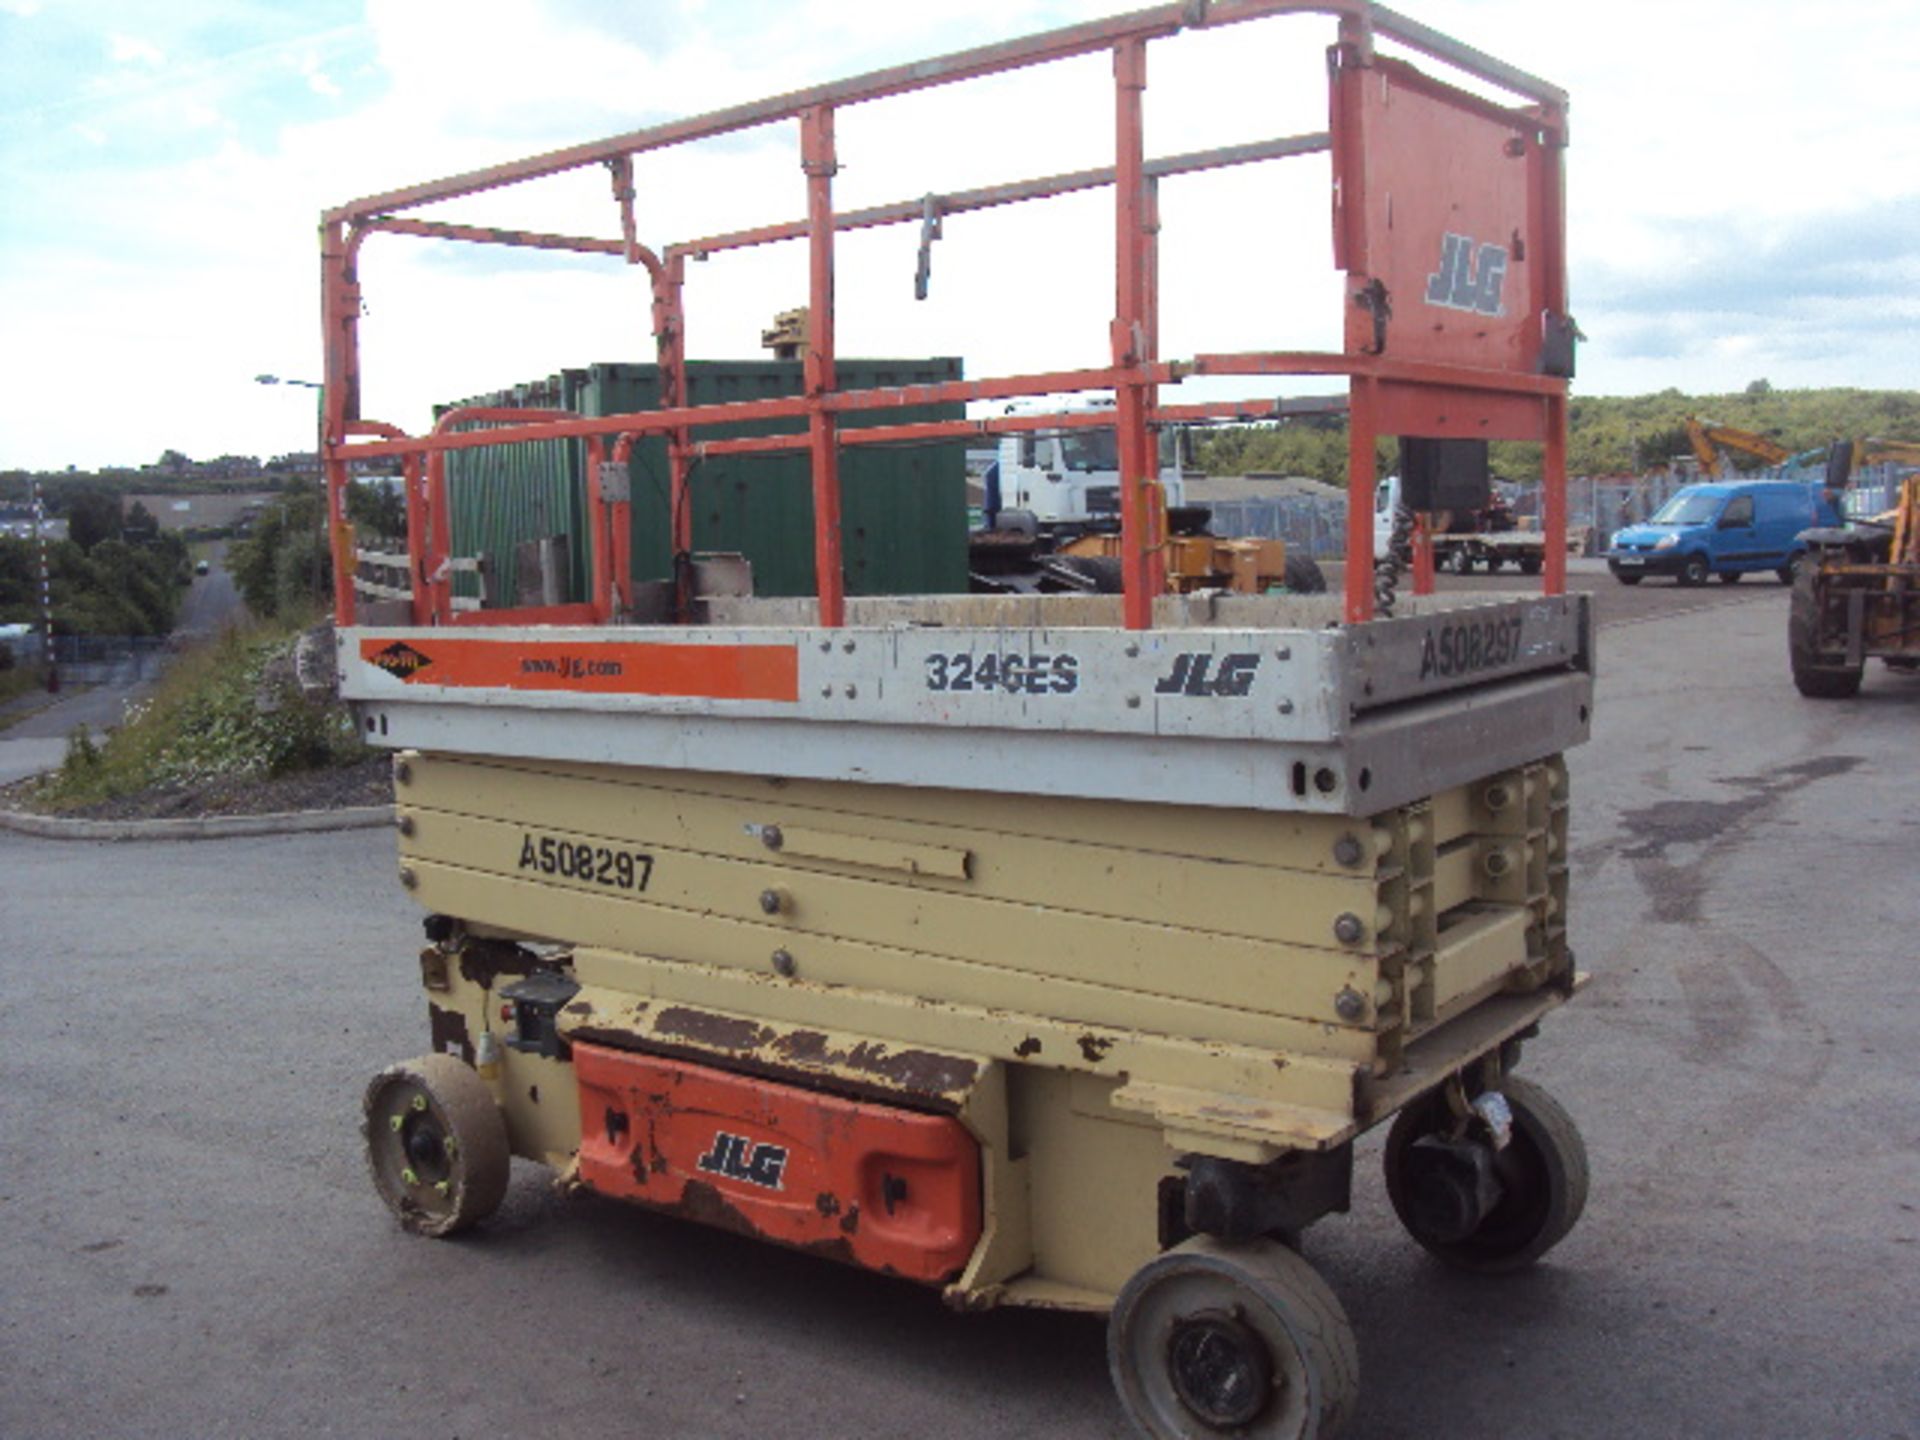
{"points": [[707, 672]]}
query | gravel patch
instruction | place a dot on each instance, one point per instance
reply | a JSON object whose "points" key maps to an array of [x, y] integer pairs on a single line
{"points": [[368, 783]]}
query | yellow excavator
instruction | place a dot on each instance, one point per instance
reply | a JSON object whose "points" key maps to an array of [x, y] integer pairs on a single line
{"points": [[1711, 441], [1857, 594]]}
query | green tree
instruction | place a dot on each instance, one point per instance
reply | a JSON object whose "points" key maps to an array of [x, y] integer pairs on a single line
{"points": [[378, 508], [140, 527], [92, 516], [283, 568]]}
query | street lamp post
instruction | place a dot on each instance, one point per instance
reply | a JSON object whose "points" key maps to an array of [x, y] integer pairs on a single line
{"points": [[319, 460]]}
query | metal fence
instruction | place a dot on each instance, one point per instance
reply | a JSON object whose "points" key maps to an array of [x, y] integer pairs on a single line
{"points": [[1310, 524], [109, 659], [1596, 507]]}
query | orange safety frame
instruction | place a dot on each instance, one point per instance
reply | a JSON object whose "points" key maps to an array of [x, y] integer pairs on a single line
{"points": [[1441, 338]]}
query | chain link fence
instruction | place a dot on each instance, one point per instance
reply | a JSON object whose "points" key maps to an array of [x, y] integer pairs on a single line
{"points": [[1597, 506]]}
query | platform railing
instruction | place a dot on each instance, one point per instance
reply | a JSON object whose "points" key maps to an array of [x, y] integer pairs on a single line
{"points": [[1500, 375]]}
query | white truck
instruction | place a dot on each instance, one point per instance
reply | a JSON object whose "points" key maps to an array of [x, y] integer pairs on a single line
{"points": [[1460, 541], [1069, 480]]}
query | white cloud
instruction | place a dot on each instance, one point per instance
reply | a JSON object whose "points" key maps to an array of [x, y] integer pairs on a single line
{"points": [[189, 276], [131, 50]]}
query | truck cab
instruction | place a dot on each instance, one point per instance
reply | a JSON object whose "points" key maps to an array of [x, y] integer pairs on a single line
{"points": [[1726, 529], [1069, 480]]}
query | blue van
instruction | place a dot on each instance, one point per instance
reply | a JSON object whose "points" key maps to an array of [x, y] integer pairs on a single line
{"points": [[1726, 529]]}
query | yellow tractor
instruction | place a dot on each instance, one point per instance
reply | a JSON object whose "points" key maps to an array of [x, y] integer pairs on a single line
{"points": [[1857, 594]]}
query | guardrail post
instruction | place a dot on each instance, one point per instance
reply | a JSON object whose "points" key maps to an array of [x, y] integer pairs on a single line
{"points": [[817, 158], [1142, 561]]}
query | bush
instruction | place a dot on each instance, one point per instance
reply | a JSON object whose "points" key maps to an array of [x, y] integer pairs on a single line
{"points": [[228, 709]]}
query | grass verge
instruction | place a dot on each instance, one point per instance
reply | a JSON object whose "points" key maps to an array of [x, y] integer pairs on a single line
{"points": [[226, 709], [17, 680]]}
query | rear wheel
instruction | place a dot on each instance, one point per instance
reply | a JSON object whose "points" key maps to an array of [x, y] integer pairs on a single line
{"points": [[1629, 577], [1694, 570], [1814, 674], [1787, 571], [1303, 576], [1530, 565], [1245, 1340], [1458, 562], [436, 1145], [1102, 571], [1541, 1175]]}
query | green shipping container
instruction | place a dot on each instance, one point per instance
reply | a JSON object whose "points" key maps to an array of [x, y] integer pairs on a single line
{"points": [[902, 508]]}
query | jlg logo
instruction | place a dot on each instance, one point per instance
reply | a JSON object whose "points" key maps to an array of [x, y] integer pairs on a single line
{"points": [[730, 1156], [1471, 276], [1190, 675]]}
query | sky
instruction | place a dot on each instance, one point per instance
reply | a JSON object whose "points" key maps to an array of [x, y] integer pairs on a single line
{"points": [[1743, 195]]}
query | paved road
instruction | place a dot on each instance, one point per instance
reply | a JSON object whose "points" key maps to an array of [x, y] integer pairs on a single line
{"points": [[39, 742], [213, 603], [190, 1246], [1614, 603]]}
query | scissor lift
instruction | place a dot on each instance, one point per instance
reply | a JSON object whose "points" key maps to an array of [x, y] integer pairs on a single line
{"points": [[1050, 950]]}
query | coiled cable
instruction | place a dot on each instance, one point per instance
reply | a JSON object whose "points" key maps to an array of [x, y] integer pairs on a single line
{"points": [[1387, 571]]}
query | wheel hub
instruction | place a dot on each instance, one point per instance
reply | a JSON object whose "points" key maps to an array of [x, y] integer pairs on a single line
{"points": [[423, 1143], [1220, 1368]]}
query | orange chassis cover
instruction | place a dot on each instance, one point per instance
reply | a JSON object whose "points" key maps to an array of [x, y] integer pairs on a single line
{"points": [[888, 1189]]}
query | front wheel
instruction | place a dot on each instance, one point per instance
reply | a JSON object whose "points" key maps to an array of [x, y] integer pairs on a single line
{"points": [[1629, 577], [1246, 1340], [1530, 565], [436, 1144], [1540, 1177], [1814, 674], [1303, 575], [1787, 571], [1694, 570]]}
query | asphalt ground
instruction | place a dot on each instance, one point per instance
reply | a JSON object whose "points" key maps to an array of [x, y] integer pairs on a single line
{"points": [[190, 1246]]}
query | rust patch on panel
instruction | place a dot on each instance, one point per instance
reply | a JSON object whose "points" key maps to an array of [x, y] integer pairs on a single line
{"points": [[724, 1032], [840, 1250], [1093, 1048], [701, 1201], [448, 1030], [919, 1079], [850, 1222], [803, 1047], [921, 1071], [827, 1204], [484, 961], [1028, 1046]]}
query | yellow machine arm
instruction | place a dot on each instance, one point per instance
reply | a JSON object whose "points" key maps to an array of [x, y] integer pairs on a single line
{"points": [[1709, 440]]}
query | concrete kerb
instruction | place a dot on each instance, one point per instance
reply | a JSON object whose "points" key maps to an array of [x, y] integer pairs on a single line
{"points": [[203, 827]]}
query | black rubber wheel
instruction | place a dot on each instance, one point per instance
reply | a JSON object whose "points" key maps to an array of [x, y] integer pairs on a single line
{"points": [[436, 1145], [1787, 571], [1243, 1340], [1627, 577], [1303, 576], [1730, 577], [1458, 562], [1815, 675], [1530, 565], [1695, 570], [1494, 563], [1542, 1171], [1103, 570]]}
